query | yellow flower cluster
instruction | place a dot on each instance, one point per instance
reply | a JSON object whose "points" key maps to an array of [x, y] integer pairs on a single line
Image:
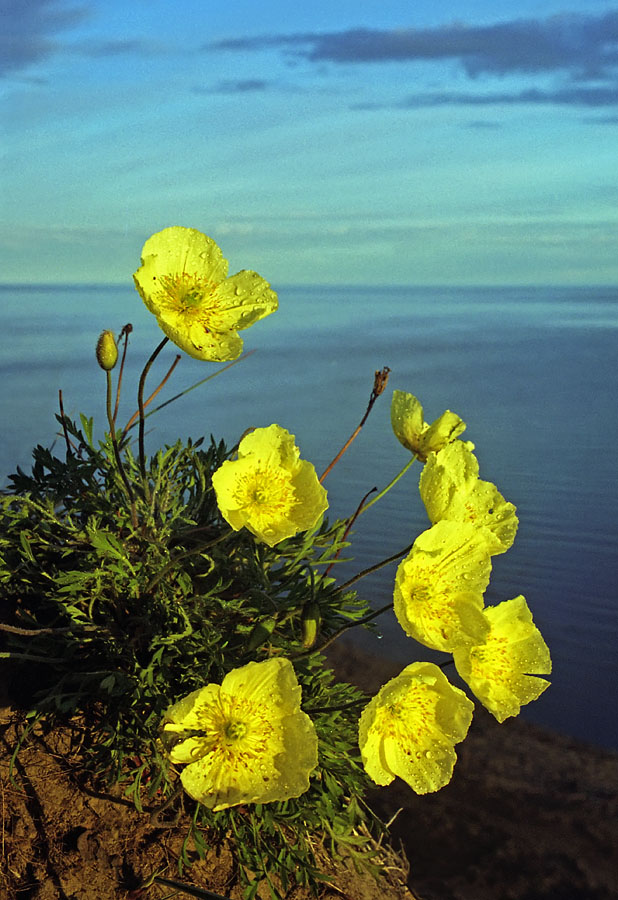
{"points": [[183, 280], [411, 727], [247, 740]]}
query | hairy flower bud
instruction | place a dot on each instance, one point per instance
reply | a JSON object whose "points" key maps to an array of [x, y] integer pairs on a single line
{"points": [[260, 633], [107, 351], [310, 624]]}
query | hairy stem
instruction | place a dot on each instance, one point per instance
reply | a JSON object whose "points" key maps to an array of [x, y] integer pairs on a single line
{"points": [[126, 331], [118, 458]]}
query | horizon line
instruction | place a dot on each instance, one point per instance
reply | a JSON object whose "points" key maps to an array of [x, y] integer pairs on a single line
{"points": [[334, 284]]}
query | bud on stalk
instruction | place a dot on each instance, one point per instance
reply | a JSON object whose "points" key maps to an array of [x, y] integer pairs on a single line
{"points": [[310, 623], [107, 351]]}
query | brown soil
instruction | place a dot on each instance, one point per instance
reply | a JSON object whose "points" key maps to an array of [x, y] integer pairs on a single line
{"points": [[528, 815]]}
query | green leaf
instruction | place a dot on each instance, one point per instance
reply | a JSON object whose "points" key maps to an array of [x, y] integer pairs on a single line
{"points": [[106, 543], [87, 425], [25, 543]]}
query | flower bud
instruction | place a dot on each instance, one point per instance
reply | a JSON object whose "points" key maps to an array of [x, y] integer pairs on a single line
{"points": [[260, 633], [310, 624], [107, 351]]}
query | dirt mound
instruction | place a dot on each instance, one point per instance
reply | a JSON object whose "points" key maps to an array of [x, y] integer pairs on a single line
{"points": [[528, 815]]}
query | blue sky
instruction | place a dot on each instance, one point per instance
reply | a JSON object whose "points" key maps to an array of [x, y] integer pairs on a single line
{"points": [[379, 142]]}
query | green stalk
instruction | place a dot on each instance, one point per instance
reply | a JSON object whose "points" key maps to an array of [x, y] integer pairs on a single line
{"points": [[119, 463], [342, 630], [388, 486]]}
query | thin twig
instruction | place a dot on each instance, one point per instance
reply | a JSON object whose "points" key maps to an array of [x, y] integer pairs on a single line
{"points": [[374, 568], [351, 521], [391, 484], [173, 399], [147, 402], [342, 630], [33, 632], [379, 383]]}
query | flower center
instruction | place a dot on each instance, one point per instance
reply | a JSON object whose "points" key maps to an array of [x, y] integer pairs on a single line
{"points": [[184, 291], [266, 493], [235, 730], [408, 717]]}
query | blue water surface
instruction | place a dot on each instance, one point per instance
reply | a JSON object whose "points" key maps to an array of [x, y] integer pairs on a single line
{"points": [[531, 370]]}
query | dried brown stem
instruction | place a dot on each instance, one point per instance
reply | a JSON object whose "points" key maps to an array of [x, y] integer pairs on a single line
{"points": [[379, 383]]}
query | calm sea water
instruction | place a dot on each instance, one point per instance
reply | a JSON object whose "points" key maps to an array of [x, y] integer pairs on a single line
{"points": [[531, 370]]}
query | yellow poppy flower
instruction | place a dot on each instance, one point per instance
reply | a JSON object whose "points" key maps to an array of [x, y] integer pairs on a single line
{"points": [[183, 281], [411, 726], [500, 669], [439, 586], [451, 489], [415, 433], [246, 740], [269, 489]]}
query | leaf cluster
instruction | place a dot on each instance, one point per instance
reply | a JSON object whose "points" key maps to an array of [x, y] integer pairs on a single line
{"points": [[113, 622]]}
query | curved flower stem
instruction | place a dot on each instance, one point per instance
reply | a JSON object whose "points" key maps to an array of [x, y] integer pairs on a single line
{"points": [[374, 568], [147, 402], [118, 458], [140, 404], [173, 399], [348, 527], [388, 486], [67, 440], [125, 332], [342, 630], [379, 383]]}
